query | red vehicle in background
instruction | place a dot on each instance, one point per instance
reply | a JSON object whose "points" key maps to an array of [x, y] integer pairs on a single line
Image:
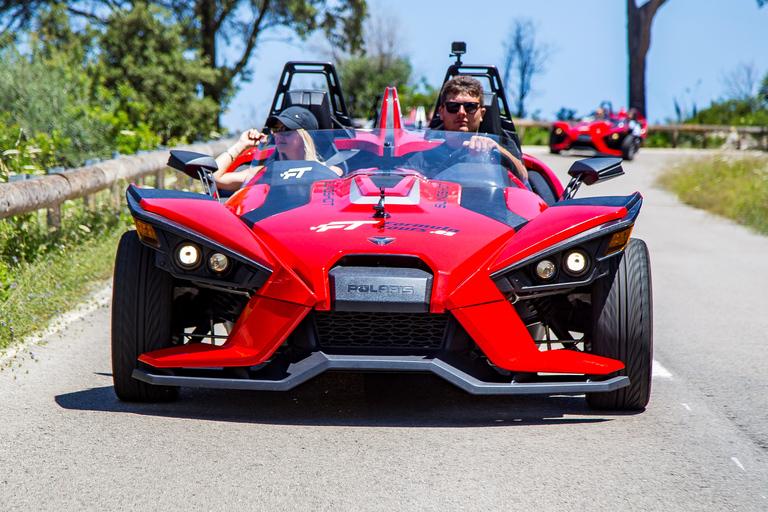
{"points": [[604, 131]]}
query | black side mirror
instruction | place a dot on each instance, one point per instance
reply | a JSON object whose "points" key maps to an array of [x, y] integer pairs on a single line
{"points": [[590, 171], [196, 166], [190, 162]]}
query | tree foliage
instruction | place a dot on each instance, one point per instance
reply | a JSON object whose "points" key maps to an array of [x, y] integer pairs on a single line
{"points": [[365, 77], [210, 24], [144, 62], [365, 74]]}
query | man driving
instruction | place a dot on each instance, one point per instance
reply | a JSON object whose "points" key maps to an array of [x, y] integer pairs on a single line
{"points": [[461, 110]]}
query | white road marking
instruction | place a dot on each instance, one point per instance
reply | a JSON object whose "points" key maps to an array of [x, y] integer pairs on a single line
{"points": [[659, 372], [688, 407], [736, 461]]}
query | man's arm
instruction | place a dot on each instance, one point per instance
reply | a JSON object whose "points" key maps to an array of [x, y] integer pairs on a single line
{"points": [[479, 144]]}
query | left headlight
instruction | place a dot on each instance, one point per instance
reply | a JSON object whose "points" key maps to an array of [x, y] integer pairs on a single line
{"points": [[188, 256]]}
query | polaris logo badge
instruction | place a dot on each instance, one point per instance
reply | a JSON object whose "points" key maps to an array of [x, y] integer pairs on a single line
{"points": [[382, 288], [298, 172], [381, 240]]}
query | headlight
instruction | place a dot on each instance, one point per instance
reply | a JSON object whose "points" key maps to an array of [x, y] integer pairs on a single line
{"points": [[559, 131], [615, 136], [218, 263], [546, 269], [576, 262], [188, 256]]}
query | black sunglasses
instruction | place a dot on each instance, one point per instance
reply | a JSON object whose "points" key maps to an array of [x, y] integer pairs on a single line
{"points": [[470, 107], [281, 128]]}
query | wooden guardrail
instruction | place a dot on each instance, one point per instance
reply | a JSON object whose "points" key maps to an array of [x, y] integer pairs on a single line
{"points": [[52, 190], [759, 132]]}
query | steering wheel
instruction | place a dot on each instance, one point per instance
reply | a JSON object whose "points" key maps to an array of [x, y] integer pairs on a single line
{"points": [[457, 154]]}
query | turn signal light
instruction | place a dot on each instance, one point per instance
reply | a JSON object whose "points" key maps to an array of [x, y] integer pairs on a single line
{"points": [[619, 241], [146, 233]]}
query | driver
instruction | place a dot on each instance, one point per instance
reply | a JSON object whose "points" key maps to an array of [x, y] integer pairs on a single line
{"points": [[462, 111], [293, 142]]}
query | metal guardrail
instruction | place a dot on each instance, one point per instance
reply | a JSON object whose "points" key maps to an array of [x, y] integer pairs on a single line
{"points": [[52, 190]]}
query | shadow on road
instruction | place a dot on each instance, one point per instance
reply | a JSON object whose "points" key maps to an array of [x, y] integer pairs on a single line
{"points": [[348, 399]]}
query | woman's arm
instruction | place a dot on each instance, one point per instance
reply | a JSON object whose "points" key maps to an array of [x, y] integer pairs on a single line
{"points": [[233, 180]]}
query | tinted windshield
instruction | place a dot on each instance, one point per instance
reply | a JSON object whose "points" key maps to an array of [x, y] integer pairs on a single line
{"points": [[323, 154]]}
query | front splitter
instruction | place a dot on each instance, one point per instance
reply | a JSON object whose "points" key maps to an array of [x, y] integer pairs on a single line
{"points": [[312, 366]]}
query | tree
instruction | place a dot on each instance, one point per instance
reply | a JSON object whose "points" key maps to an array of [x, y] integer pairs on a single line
{"points": [[639, 21], [741, 82], [524, 57], [381, 63], [155, 77], [236, 24]]}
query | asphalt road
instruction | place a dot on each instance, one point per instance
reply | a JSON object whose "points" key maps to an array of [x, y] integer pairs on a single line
{"points": [[66, 442]]}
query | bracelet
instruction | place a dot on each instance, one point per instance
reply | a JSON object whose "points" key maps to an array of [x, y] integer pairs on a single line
{"points": [[230, 155]]}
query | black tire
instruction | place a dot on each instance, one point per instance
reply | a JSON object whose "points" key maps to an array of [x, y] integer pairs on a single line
{"points": [[552, 142], [142, 300], [622, 327], [628, 147]]}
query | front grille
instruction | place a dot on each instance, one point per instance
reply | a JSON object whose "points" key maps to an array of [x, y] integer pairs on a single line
{"points": [[346, 329]]}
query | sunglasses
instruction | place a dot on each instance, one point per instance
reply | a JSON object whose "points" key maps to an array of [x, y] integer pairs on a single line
{"points": [[470, 107], [280, 129]]}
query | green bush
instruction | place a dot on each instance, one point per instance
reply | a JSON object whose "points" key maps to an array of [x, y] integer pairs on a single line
{"points": [[534, 136], [658, 140]]}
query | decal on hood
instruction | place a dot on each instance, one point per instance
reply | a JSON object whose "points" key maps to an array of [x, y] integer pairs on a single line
{"points": [[346, 225]]}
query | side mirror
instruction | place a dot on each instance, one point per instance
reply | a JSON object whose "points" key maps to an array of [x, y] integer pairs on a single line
{"points": [[590, 171], [196, 166], [190, 163]]}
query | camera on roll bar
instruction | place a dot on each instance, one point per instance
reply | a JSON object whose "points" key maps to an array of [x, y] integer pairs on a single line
{"points": [[458, 48]]}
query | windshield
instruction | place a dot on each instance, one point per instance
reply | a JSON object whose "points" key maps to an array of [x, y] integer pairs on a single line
{"points": [[327, 154]]}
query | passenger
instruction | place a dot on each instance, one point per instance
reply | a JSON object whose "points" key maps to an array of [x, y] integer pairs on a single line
{"points": [[633, 123], [292, 140], [462, 111], [600, 114]]}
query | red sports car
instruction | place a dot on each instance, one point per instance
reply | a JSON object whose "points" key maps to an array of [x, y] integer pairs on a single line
{"points": [[420, 258], [605, 132]]}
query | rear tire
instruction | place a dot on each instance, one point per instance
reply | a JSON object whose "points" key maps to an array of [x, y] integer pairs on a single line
{"points": [[622, 327], [142, 302]]}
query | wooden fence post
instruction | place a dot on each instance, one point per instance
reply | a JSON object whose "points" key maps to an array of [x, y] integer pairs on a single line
{"points": [[54, 218], [160, 179]]}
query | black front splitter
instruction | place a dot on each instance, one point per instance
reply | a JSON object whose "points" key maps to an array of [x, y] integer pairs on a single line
{"points": [[302, 371]]}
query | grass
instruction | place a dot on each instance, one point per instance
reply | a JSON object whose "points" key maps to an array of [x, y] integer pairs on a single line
{"points": [[732, 186], [41, 291]]}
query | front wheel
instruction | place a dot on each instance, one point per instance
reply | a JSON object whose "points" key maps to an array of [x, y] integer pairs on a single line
{"points": [[628, 147], [552, 142], [622, 327], [142, 301]]}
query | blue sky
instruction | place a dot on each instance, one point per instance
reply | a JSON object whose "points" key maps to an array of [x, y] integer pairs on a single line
{"points": [[694, 45]]}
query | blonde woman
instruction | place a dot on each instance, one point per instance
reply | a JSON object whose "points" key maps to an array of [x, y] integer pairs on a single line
{"points": [[291, 138]]}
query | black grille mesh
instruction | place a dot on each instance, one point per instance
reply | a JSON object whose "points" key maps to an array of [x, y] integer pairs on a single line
{"points": [[345, 329]]}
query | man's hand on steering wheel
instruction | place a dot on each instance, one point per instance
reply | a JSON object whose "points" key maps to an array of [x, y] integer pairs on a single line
{"points": [[479, 145]]}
